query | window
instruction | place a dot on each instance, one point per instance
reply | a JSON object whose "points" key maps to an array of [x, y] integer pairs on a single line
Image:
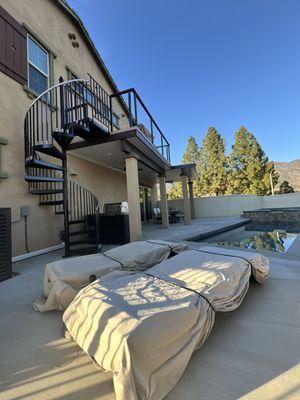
{"points": [[81, 89], [38, 66], [115, 120]]}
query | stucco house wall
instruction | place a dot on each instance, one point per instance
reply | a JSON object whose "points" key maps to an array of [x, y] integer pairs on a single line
{"points": [[51, 25]]}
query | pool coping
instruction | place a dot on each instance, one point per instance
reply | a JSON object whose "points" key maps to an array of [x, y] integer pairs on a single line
{"points": [[216, 231]]}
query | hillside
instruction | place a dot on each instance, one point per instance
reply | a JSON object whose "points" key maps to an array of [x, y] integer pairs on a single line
{"points": [[289, 171]]}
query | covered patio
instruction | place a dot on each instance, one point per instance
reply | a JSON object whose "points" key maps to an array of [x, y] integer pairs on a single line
{"points": [[252, 353], [131, 153]]}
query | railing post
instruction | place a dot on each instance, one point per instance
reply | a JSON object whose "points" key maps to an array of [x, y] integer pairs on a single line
{"points": [[129, 106], [135, 108], [85, 100], [111, 114], [66, 203], [151, 126], [62, 103]]}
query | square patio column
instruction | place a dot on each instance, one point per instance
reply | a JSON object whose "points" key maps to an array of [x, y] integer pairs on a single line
{"points": [[186, 202], [133, 198], [163, 202], [192, 205], [154, 196]]}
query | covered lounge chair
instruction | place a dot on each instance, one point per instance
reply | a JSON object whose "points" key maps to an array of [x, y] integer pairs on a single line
{"points": [[65, 277], [145, 327]]}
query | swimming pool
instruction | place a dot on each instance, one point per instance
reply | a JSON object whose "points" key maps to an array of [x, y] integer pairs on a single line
{"points": [[256, 237]]}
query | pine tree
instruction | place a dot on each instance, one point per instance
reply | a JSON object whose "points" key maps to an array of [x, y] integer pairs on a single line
{"points": [[191, 155], [211, 165], [285, 187], [248, 167]]}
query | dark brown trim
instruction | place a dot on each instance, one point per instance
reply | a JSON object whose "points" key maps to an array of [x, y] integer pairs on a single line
{"points": [[104, 139], [12, 74], [13, 48], [14, 24]]}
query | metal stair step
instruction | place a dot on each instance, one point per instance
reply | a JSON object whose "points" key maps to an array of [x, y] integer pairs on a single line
{"points": [[79, 130], [33, 178], [96, 130], [48, 149], [51, 203], [45, 191], [77, 221], [43, 164], [76, 233], [63, 138], [77, 242]]}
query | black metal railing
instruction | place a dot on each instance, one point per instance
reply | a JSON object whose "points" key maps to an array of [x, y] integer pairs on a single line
{"points": [[76, 100], [49, 113], [100, 100], [53, 189], [73, 102], [82, 202], [62, 105], [138, 115]]}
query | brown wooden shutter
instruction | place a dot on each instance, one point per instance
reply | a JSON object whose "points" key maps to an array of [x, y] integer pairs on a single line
{"points": [[13, 47]]}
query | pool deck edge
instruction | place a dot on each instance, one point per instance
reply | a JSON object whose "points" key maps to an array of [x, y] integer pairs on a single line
{"points": [[209, 233]]}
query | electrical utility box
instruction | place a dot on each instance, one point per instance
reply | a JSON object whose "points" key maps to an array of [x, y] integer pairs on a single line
{"points": [[5, 244]]}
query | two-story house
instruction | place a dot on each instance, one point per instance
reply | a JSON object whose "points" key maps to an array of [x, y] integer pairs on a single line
{"points": [[70, 141]]}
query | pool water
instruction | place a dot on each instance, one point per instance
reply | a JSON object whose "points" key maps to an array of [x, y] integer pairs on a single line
{"points": [[251, 237]]}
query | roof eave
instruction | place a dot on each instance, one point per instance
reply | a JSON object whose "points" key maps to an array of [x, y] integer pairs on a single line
{"points": [[78, 22]]}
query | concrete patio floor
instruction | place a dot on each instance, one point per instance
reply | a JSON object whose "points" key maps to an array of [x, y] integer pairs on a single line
{"points": [[252, 353]]}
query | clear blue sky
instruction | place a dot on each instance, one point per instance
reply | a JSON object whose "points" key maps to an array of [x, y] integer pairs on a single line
{"points": [[201, 63]]}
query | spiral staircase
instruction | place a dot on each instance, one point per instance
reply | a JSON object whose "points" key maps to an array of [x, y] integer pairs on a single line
{"points": [[69, 111]]}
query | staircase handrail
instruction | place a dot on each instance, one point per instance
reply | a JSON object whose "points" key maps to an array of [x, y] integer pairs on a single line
{"points": [[54, 87]]}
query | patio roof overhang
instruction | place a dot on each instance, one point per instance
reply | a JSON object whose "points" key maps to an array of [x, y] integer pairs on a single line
{"points": [[112, 150], [176, 171]]}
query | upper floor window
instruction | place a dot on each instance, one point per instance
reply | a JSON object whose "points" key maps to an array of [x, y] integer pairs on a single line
{"points": [[38, 66], [115, 120]]}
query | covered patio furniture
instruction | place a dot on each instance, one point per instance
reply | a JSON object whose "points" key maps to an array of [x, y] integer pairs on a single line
{"points": [[65, 277], [145, 327]]}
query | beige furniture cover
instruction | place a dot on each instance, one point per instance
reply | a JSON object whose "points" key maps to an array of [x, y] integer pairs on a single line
{"points": [[145, 327], [260, 264], [65, 277]]}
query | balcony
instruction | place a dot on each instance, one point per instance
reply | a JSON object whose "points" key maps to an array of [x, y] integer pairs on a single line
{"points": [[137, 115], [114, 113]]}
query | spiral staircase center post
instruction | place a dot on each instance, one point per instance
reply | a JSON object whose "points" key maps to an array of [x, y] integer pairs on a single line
{"points": [[66, 203]]}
